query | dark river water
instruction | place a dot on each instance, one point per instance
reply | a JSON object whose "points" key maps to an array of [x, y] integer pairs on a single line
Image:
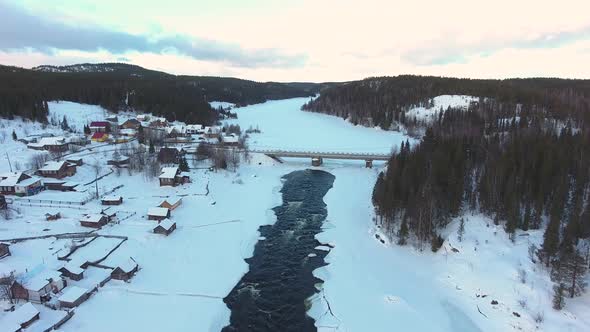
{"points": [[272, 295]]}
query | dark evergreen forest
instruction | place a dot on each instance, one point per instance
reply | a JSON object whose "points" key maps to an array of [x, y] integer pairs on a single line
{"points": [[117, 87]]}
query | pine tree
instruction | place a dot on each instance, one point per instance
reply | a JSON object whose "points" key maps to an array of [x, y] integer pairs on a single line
{"points": [[550, 240], [152, 149], [461, 230], [14, 137], [64, 124], [140, 135], [87, 129], [558, 300], [570, 270], [402, 233], [183, 165]]}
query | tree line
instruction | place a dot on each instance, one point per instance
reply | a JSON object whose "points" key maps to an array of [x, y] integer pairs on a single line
{"points": [[119, 87]]}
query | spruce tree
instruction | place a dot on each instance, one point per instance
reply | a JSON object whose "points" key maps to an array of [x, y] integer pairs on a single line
{"points": [[14, 137], [550, 240], [183, 165], [152, 149], [558, 300], [402, 233], [461, 230]]}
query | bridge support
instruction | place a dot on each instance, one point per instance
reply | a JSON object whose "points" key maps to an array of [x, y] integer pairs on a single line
{"points": [[369, 163], [317, 161]]}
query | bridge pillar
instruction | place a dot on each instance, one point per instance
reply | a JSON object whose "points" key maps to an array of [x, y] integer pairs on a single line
{"points": [[369, 163], [317, 161]]}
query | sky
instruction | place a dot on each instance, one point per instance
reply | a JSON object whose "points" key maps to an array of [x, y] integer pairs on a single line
{"points": [[305, 40]]}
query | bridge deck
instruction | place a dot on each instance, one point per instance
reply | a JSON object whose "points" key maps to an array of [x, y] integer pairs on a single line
{"points": [[324, 155]]}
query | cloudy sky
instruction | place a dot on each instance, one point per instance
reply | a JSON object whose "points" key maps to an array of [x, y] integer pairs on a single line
{"points": [[305, 40]]}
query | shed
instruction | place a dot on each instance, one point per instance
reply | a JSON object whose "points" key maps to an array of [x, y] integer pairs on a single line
{"points": [[158, 213], [171, 203], [72, 271], [165, 227], [52, 216], [112, 200], [125, 270], [93, 220], [73, 296], [76, 161], [169, 176], [4, 250], [25, 315]]}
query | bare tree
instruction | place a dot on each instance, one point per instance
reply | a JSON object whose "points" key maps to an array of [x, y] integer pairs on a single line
{"points": [[6, 282], [233, 158], [219, 159], [97, 169], [38, 160]]}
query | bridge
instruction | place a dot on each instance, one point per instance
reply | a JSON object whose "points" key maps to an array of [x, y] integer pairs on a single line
{"points": [[318, 157]]}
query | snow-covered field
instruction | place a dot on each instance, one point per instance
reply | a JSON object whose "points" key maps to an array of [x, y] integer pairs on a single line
{"points": [[370, 286], [440, 103], [285, 126]]}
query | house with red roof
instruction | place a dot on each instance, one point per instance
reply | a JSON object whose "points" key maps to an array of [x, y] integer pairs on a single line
{"points": [[99, 137]]}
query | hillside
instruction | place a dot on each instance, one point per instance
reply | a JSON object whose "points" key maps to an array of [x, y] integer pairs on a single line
{"points": [[117, 86]]}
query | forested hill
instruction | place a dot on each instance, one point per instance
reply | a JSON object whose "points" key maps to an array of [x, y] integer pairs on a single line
{"points": [[117, 86], [383, 101]]}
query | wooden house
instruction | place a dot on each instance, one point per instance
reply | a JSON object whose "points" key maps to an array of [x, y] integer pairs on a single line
{"points": [[73, 296], [230, 140], [112, 200], [131, 124], [170, 176], [158, 213], [100, 127], [165, 227], [57, 169], [38, 288], [51, 144], [125, 270], [169, 155], [19, 183], [171, 203], [72, 271], [4, 250], [59, 185], [93, 220]]}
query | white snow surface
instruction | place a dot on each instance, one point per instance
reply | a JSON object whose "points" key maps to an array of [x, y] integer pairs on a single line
{"points": [[440, 102], [371, 286], [284, 126], [223, 104]]}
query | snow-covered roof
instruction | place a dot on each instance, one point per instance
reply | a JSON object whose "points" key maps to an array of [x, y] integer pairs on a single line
{"points": [[73, 268], [10, 179], [28, 181], [52, 166], [36, 283], [166, 224], [99, 124], [23, 314], [111, 198], [127, 131], [9, 326], [169, 172], [52, 141], [72, 294], [128, 265], [194, 127], [230, 139], [176, 128], [158, 212], [95, 218], [171, 201]]}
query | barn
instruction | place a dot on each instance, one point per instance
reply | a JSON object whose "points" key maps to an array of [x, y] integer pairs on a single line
{"points": [[73, 296], [165, 227], [125, 270], [72, 271], [112, 200], [4, 250], [171, 203], [93, 220], [158, 213]]}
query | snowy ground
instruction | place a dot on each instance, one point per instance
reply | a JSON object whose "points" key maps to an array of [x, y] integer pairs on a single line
{"points": [[285, 126], [440, 103], [370, 286]]}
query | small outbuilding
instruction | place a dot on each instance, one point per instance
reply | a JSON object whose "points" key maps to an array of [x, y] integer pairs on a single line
{"points": [[125, 270], [170, 176], [50, 216], [171, 203], [165, 227], [25, 315], [158, 213], [72, 271], [73, 296], [4, 250], [93, 220], [76, 161], [112, 200]]}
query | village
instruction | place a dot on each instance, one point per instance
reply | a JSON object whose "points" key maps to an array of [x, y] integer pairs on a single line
{"points": [[79, 186]]}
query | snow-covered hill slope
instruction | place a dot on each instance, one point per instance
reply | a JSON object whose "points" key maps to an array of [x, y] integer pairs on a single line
{"points": [[440, 103]]}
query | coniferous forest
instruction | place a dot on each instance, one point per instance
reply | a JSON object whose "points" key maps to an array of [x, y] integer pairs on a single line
{"points": [[520, 155], [116, 87]]}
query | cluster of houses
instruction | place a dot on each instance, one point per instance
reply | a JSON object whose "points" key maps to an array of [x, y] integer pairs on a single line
{"points": [[49, 177], [161, 214]]}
